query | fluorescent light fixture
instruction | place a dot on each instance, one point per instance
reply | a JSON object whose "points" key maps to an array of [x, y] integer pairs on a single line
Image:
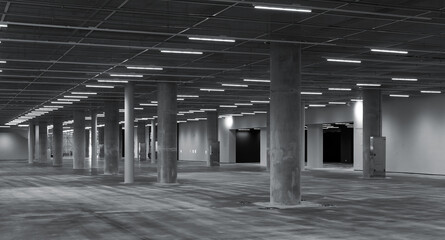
{"points": [[138, 108], [243, 104], [399, 95], [405, 79], [99, 86], [343, 60], [181, 52], [2, 61], [227, 106], [154, 101], [68, 99], [245, 113], [337, 103], [283, 9], [317, 105], [257, 101], [311, 93], [148, 104], [188, 96], [126, 75], [146, 68], [212, 39], [234, 85], [339, 89], [75, 96], [259, 111], [425, 91], [256, 80], [356, 100], [388, 51], [369, 84], [212, 90], [3, 25], [5, 126], [23, 125], [84, 93], [53, 106], [180, 99], [61, 102], [181, 121], [112, 81], [208, 109]]}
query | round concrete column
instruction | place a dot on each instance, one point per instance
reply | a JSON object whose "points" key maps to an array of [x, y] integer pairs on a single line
{"points": [[303, 137], [100, 139], [57, 142], [285, 103], [142, 150], [129, 133], [111, 138], [268, 139], [94, 163], [43, 142], [79, 141], [372, 127], [31, 142], [212, 139], [87, 143], [167, 133], [154, 136]]}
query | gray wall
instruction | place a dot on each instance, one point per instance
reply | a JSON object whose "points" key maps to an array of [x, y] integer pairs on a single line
{"points": [[192, 141], [14, 144]]}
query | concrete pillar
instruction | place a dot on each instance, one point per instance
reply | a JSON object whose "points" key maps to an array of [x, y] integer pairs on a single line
{"points": [[147, 140], [154, 136], [303, 137], [129, 133], [87, 143], [100, 139], [79, 140], [31, 142], [111, 138], [358, 136], [167, 130], [94, 163], [315, 146], [37, 144], [141, 140], [212, 139], [57, 142], [285, 104], [121, 142], [43, 142], [268, 140], [372, 126]]}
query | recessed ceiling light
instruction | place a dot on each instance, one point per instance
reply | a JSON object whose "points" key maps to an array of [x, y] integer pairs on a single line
{"points": [[243, 104], [256, 80], [337, 103], [227, 106], [69, 99], [399, 95], [84, 93], [146, 68], [188, 96], [181, 52], [388, 51], [258, 101], [212, 39], [99, 86], [339, 89], [211, 90], [311, 93], [425, 91], [112, 81], [317, 105], [126, 75], [369, 84], [75, 96], [234, 85], [405, 79], [149, 104], [283, 9], [343, 60], [61, 102]]}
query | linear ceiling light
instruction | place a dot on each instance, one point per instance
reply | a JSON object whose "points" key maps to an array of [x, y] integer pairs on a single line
{"points": [[388, 51], [208, 109], [75, 96], [317, 105], [369, 84], [283, 9], [84, 93], [339, 89], [112, 81], [68, 99], [343, 60], [212, 39], [337, 103], [243, 104], [256, 80], [425, 91], [99, 86], [126, 75], [181, 52], [3, 25], [311, 93], [61, 102], [257, 101], [2, 61], [356, 100], [234, 85], [405, 79], [227, 106], [399, 95], [146, 68], [260, 111], [212, 90], [148, 104], [188, 96]]}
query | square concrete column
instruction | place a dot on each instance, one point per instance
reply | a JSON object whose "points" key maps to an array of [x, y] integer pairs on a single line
{"points": [[111, 138], [268, 140], [167, 133], [57, 141], [79, 143], [212, 139], [87, 143], [43, 142], [129, 133], [372, 127], [303, 136], [142, 149], [285, 104], [31, 142], [154, 138], [315, 146], [100, 139], [94, 162]]}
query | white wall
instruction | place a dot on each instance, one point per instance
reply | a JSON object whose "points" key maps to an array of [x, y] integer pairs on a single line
{"points": [[14, 144], [192, 141]]}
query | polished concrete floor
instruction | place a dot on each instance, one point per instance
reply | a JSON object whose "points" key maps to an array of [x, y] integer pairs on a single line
{"points": [[215, 203]]}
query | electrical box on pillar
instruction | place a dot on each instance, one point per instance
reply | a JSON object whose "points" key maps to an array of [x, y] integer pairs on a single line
{"points": [[377, 156]]}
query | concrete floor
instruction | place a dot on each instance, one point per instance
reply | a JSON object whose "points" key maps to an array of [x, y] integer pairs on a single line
{"points": [[215, 203]]}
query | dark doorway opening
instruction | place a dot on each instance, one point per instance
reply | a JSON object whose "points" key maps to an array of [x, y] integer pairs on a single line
{"points": [[247, 146], [338, 144]]}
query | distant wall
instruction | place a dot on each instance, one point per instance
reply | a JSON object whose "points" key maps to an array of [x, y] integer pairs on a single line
{"points": [[192, 141], [14, 144]]}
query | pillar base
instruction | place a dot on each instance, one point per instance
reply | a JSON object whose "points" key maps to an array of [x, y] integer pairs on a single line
{"points": [[94, 171]]}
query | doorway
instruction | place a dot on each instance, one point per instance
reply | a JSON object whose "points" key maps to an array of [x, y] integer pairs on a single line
{"points": [[338, 144], [247, 146]]}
